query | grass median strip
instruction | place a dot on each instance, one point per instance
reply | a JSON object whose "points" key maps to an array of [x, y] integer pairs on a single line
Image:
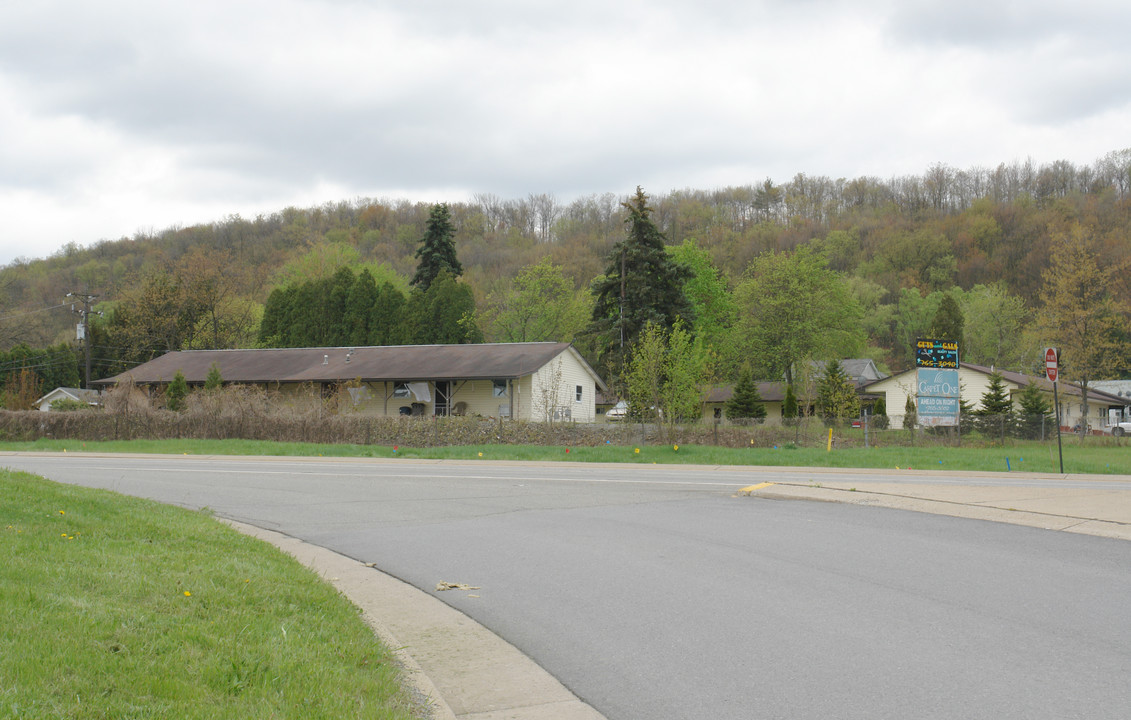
{"points": [[1099, 457], [113, 607]]}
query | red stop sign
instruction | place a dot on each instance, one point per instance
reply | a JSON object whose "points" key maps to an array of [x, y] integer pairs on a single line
{"points": [[1051, 364]]}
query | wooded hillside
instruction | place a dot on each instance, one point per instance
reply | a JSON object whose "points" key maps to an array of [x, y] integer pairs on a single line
{"points": [[985, 238]]}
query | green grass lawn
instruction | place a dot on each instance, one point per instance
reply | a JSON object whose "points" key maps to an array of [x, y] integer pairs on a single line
{"points": [[113, 607], [1094, 455]]}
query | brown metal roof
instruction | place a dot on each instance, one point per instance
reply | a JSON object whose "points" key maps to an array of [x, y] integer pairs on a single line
{"points": [[403, 363]]}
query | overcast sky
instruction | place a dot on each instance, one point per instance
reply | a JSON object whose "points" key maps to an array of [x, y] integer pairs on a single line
{"points": [[121, 116]]}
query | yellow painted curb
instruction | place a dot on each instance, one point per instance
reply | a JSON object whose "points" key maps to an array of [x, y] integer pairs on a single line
{"points": [[752, 488]]}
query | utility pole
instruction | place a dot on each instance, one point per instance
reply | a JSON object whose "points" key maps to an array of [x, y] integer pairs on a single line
{"points": [[84, 327]]}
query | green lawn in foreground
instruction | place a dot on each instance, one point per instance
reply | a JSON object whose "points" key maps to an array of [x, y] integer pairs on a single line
{"points": [[1095, 455], [113, 607]]}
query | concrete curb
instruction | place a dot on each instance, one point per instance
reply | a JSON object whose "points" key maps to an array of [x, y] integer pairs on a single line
{"points": [[457, 668]]}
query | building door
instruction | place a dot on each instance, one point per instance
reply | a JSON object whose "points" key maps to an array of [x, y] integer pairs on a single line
{"points": [[443, 397]]}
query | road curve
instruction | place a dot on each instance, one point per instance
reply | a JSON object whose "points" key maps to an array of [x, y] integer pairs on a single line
{"points": [[656, 591]]}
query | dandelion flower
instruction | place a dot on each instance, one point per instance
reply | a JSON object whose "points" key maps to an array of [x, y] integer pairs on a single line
{"points": [[188, 594]]}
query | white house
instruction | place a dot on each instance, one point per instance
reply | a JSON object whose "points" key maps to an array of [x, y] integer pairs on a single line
{"points": [[541, 381], [90, 397], [974, 381]]}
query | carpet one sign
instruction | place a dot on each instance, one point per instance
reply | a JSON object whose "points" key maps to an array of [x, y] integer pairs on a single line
{"points": [[938, 389]]}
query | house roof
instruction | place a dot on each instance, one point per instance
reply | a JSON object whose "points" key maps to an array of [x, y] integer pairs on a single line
{"points": [[394, 363], [79, 394], [860, 370], [1023, 380]]}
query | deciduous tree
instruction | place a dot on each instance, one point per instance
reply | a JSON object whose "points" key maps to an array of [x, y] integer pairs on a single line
{"points": [[541, 305], [712, 304], [1079, 314], [994, 326], [793, 307]]}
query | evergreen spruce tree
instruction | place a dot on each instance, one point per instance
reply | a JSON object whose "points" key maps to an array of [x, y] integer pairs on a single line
{"points": [[789, 409], [967, 418], [359, 309], [444, 313], [437, 249], [213, 381], [642, 284], [880, 413], [1035, 421], [910, 413], [948, 322], [176, 392], [388, 324], [836, 395], [337, 308], [995, 416], [746, 402]]}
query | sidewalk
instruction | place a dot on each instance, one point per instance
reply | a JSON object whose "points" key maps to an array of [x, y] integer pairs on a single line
{"points": [[1090, 511]]}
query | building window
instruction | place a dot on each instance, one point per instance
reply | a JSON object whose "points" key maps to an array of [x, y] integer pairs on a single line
{"points": [[498, 388], [400, 390], [579, 389]]}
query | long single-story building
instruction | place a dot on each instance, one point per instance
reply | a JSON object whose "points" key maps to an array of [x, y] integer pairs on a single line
{"points": [[974, 381], [539, 381]]}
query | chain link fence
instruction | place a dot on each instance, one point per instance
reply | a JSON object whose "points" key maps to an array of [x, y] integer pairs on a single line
{"points": [[251, 414]]}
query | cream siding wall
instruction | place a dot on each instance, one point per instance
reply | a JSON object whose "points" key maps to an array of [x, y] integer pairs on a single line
{"points": [[524, 393], [376, 399], [553, 394], [480, 397]]}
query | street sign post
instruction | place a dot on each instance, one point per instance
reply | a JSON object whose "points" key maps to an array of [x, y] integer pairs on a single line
{"points": [[1052, 372]]}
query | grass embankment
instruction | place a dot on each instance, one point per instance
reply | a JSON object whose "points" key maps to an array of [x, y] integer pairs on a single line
{"points": [[1094, 455], [113, 607]]}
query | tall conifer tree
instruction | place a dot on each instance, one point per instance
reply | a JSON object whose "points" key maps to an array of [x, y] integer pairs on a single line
{"points": [[437, 249], [642, 284], [746, 402]]}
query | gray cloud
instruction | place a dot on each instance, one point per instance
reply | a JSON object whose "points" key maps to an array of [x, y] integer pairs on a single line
{"points": [[132, 114]]}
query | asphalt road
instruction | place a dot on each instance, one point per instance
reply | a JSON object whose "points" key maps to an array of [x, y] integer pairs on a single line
{"points": [[654, 592]]}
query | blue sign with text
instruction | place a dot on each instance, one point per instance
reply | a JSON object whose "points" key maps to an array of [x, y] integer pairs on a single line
{"points": [[938, 392]]}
